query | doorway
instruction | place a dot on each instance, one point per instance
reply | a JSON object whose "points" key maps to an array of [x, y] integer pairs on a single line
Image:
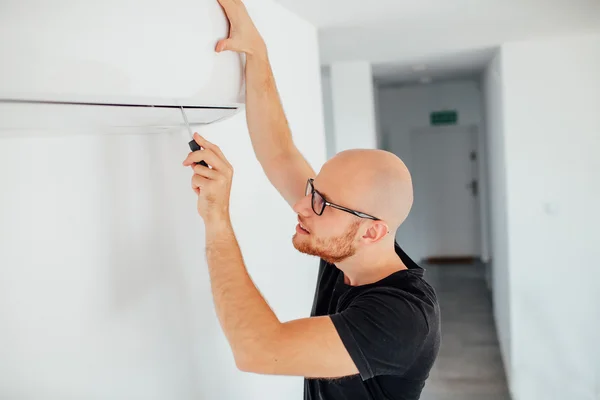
{"points": [[446, 210]]}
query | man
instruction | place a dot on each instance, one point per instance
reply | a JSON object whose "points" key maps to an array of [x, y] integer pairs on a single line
{"points": [[374, 321]]}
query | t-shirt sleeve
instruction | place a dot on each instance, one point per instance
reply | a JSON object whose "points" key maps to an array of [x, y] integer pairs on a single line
{"points": [[383, 332]]}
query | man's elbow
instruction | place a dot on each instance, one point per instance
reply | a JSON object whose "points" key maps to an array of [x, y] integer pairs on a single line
{"points": [[244, 363], [259, 356], [255, 362]]}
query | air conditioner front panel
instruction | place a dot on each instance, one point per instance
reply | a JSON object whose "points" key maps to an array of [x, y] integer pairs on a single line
{"points": [[145, 52]]}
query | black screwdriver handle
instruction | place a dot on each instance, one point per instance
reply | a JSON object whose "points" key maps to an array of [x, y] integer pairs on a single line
{"points": [[195, 147]]}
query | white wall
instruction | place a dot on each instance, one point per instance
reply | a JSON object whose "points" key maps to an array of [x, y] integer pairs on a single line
{"points": [[328, 111], [404, 108], [552, 91], [493, 93], [104, 290], [547, 125], [353, 105]]}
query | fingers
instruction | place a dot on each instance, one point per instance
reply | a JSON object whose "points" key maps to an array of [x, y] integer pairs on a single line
{"points": [[224, 163], [209, 157], [234, 10], [221, 45], [232, 7], [243, 36], [205, 172], [211, 146], [227, 44], [199, 182], [221, 171]]}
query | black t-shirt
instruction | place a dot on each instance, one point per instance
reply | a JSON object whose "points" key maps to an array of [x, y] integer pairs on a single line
{"points": [[391, 329]]}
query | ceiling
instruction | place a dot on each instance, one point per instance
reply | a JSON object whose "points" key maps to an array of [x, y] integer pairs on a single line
{"points": [[466, 64], [452, 35], [343, 13]]}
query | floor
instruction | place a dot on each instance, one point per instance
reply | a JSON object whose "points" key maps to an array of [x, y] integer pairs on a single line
{"points": [[469, 366]]}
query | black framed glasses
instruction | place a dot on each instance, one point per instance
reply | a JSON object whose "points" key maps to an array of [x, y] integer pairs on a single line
{"points": [[319, 203]]}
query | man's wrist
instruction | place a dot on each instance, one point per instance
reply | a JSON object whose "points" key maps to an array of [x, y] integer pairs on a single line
{"points": [[219, 235], [258, 54], [217, 221]]}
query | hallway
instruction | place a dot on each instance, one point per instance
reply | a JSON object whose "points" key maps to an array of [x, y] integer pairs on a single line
{"points": [[469, 366]]}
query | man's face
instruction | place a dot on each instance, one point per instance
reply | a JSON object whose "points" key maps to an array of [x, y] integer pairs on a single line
{"points": [[331, 236]]}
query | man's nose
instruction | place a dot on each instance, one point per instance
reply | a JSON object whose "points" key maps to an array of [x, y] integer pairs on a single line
{"points": [[303, 206]]}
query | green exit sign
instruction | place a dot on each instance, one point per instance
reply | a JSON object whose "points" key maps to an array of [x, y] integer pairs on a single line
{"points": [[449, 117]]}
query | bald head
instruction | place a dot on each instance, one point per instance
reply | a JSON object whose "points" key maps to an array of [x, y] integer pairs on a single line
{"points": [[376, 182]]}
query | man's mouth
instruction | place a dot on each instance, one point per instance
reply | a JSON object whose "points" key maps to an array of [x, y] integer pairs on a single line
{"points": [[303, 228]]}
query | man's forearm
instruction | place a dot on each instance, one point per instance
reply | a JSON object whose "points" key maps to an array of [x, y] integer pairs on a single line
{"points": [[247, 320], [267, 123]]}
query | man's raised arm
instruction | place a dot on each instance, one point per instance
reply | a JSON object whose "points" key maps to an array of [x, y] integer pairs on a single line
{"points": [[269, 130]]}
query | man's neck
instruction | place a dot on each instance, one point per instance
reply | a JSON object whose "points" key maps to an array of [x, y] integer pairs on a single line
{"points": [[369, 267]]}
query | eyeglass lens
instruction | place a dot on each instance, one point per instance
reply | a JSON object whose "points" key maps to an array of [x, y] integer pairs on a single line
{"points": [[318, 202]]}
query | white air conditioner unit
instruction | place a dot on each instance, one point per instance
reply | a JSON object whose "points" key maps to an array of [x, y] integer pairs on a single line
{"points": [[114, 66]]}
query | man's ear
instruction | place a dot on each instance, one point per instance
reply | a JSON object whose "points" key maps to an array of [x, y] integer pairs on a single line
{"points": [[377, 231]]}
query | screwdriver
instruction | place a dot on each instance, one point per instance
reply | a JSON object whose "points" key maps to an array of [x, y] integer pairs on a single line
{"points": [[193, 145]]}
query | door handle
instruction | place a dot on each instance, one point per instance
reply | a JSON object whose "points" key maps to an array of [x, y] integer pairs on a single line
{"points": [[474, 186]]}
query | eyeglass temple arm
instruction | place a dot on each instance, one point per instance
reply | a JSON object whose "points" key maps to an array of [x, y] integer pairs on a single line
{"points": [[357, 213]]}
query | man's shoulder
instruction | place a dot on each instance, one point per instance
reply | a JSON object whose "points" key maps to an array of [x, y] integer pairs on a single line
{"points": [[402, 290]]}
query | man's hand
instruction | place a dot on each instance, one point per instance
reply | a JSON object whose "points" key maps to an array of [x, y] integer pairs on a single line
{"points": [[243, 35], [213, 186]]}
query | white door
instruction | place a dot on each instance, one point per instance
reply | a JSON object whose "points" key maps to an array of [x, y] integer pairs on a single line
{"points": [[445, 214]]}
